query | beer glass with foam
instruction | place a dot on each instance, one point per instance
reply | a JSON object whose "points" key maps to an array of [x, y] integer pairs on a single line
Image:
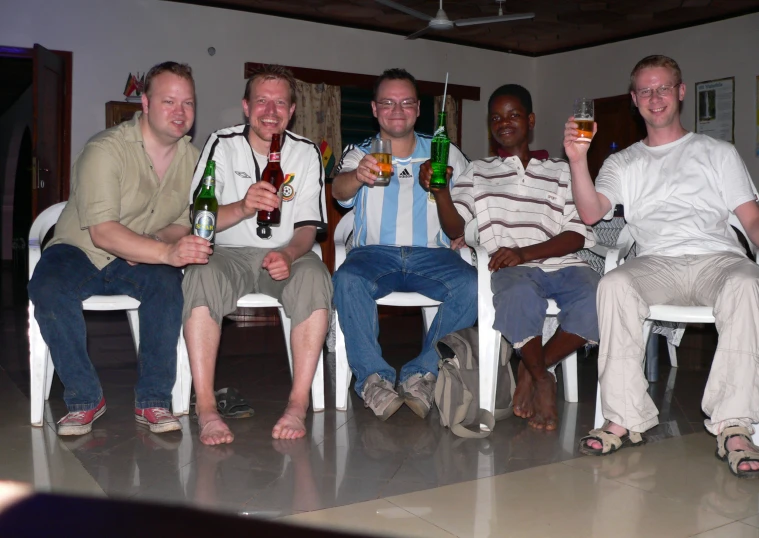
{"points": [[382, 151], [583, 115]]}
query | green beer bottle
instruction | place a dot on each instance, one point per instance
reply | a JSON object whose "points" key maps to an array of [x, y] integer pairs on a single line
{"points": [[439, 154], [206, 207]]}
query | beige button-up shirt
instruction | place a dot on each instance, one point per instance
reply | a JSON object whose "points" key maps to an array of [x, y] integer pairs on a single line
{"points": [[113, 180]]}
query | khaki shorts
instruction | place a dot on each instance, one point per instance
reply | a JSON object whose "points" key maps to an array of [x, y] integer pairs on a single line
{"points": [[232, 273]]}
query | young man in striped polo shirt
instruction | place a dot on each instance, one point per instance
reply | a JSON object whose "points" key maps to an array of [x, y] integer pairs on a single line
{"points": [[398, 246], [530, 227]]}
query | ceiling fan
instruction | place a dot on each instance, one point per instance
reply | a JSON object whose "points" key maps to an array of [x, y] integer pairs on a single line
{"points": [[442, 22]]}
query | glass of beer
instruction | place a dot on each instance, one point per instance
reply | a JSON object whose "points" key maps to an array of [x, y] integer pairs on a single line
{"points": [[382, 151], [583, 115]]}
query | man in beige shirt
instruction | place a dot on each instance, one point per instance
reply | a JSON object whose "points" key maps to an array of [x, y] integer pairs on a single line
{"points": [[124, 231]]}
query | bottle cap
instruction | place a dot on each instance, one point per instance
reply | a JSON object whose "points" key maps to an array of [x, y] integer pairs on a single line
{"points": [[264, 232]]}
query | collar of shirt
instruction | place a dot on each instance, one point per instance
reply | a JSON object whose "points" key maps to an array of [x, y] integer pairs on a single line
{"points": [[539, 154]]}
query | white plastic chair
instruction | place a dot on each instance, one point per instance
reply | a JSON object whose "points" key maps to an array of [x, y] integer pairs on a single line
{"points": [[260, 300], [41, 368], [429, 307], [490, 338], [662, 312]]}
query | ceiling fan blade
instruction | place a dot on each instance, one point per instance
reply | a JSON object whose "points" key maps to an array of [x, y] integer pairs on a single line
{"points": [[497, 18], [419, 33], [406, 10]]}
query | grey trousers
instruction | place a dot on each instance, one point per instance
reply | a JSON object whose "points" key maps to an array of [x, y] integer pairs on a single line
{"points": [[727, 282], [234, 272]]}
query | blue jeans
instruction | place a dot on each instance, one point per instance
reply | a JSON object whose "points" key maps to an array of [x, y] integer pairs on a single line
{"points": [[520, 299], [374, 271], [63, 278]]}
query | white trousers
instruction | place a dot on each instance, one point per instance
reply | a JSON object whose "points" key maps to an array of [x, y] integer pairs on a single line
{"points": [[727, 282]]}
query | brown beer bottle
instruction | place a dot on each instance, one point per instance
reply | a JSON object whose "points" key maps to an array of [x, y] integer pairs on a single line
{"points": [[272, 174]]}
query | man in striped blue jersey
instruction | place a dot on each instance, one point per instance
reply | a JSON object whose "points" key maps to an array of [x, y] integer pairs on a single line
{"points": [[398, 246], [529, 224]]}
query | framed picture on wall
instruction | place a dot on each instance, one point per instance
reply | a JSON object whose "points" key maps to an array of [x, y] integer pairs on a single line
{"points": [[715, 108]]}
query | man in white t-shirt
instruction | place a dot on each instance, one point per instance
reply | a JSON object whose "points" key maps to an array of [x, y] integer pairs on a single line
{"points": [[245, 261], [398, 246], [678, 189]]}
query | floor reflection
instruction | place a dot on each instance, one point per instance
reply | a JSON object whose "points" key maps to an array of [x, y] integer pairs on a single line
{"points": [[347, 457]]}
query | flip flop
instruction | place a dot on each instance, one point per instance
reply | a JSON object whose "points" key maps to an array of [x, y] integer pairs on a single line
{"points": [[229, 404]]}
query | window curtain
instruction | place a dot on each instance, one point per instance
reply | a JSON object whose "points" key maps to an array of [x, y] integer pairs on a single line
{"points": [[452, 118], [317, 117]]}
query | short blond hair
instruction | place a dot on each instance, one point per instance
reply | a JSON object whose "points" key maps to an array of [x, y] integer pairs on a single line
{"points": [[656, 60], [271, 72], [175, 68]]}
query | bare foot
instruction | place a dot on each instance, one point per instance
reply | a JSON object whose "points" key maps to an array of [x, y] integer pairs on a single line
{"points": [[546, 414], [291, 424], [213, 430], [524, 393], [616, 429], [295, 448], [740, 443]]}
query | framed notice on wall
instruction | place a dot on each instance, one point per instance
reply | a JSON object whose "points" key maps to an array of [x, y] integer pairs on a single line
{"points": [[715, 109]]}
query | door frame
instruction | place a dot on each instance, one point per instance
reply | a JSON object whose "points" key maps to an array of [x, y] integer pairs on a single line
{"points": [[68, 60]]}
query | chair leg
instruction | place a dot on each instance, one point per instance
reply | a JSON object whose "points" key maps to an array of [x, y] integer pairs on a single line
{"points": [[490, 347], [38, 365], [428, 314], [651, 343], [180, 395], [286, 326], [317, 387], [134, 324], [342, 370], [569, 371], [672, 355], [599, 420]]}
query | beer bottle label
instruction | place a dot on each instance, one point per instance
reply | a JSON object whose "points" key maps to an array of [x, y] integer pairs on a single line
{"points": [[274, 157], [440, 130], [209, 181], [204, 224]]}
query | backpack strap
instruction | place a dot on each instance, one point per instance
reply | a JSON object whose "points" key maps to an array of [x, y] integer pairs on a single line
{"points": [[484, 417]]}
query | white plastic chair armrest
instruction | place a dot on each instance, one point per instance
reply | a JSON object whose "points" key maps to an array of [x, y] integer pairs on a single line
{"points": [[472, 234], [342, 233], [35, 252]]}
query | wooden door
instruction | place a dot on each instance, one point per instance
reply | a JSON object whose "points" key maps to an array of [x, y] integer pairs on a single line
{"points": [[49, 130], [618, 122]]}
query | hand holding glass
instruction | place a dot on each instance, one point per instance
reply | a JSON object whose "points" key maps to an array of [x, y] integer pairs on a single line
{"points": [[382, 151], [583, 115]]}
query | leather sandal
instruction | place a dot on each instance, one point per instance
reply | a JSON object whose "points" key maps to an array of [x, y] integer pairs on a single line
{"points": [[735, 457], [609, 441]]}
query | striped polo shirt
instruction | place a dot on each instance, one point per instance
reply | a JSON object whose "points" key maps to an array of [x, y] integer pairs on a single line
{"points": [[401, 214], [515, 207]]}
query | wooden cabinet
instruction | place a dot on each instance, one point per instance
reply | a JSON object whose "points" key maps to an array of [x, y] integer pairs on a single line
{"points": [[119, 111]]}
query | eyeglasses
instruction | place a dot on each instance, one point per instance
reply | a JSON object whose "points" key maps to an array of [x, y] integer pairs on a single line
{"points": [[661, 91], [389, 104]]}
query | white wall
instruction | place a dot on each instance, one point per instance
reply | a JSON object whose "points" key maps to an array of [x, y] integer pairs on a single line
{"points": [[110, 38], [721, 49]]}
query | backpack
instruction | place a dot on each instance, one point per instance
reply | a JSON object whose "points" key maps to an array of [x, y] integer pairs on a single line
{"points": [[457, 390]]}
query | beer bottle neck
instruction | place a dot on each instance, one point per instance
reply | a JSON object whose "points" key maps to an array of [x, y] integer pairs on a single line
{"points": [[209, 184]]}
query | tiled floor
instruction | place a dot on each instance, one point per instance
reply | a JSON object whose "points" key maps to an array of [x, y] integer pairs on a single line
{"points": [[406, 477]]}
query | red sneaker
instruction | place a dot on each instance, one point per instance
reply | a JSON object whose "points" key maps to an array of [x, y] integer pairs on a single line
{"points": [[158, 419], [80, 422]]}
